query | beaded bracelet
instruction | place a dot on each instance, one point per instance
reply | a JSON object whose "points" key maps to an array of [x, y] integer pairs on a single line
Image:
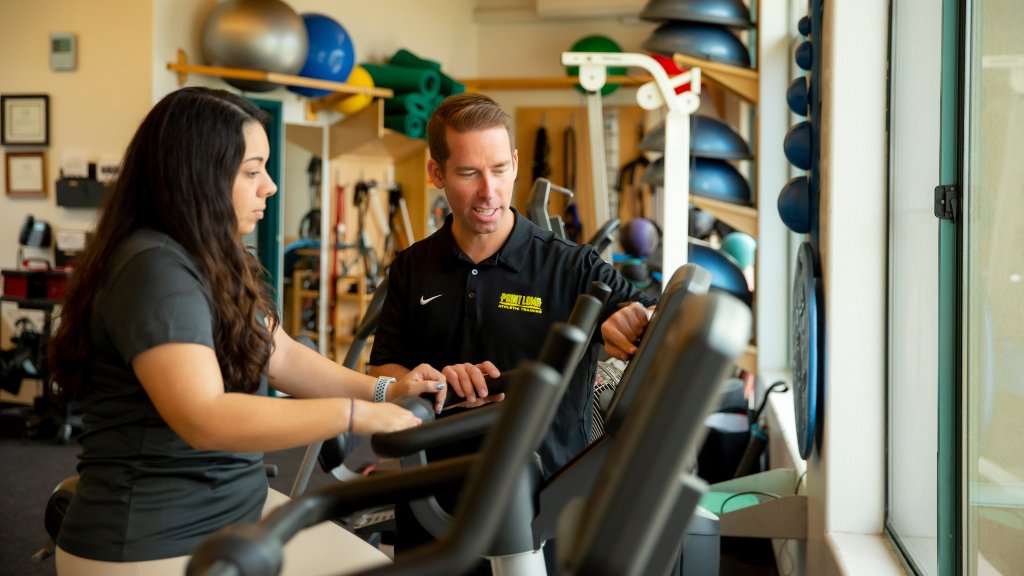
{"points": [[380, 393]]}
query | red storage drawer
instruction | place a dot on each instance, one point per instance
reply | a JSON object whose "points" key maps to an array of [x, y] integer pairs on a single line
{"points": [[56, 284], [24, 283]]}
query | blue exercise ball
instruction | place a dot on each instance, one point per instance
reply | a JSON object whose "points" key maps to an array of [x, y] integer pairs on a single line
{"points": [[265, 35], [804, 26], [794, 205], [797, 95], [718, 179], [723, 12], [709, 138], [797, 145], [701, 223], [639, 237], [636, 272], [331, 54], [726, 274], [707, 41], [804, 55]]}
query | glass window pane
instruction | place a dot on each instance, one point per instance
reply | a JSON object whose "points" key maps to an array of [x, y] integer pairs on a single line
{"points": [[913, 282], [994, 307]]}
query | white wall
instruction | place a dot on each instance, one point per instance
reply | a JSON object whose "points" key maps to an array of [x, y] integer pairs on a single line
{"points": [[93, 110], [377, 29], [846, 482], [125, 45]]}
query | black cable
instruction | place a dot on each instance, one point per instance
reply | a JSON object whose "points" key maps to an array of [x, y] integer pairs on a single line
{"points": [[796, 489], [721, 509]]}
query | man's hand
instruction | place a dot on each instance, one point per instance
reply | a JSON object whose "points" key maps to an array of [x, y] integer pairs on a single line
{"points": [[467, 381], [622, 331]]}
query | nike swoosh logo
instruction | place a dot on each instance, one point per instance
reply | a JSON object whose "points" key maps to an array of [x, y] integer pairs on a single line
{"points": [[424, 301]]}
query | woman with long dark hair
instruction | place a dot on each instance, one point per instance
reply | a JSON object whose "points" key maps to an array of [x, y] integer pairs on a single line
{"points": [[169, 340]]}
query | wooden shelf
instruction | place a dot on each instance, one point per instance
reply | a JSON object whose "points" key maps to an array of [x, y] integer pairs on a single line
{"points": [[545, 82], [350, 297], [360, 134], [359, 302], [748, 360], [183, 68], [784, 516], [744, 82], [297, 298], [364, 134], [742, 218]]}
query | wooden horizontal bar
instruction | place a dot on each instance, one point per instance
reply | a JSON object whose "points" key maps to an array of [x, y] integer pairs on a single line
{"points": [[742, 218], [183, 68], [545, 82], [741, 81]]}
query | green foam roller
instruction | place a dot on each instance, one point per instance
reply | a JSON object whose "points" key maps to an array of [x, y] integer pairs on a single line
{"points": [[451, 86], [405, 78], [409, 102], [412, 125], [406, 58], [437, 101]]}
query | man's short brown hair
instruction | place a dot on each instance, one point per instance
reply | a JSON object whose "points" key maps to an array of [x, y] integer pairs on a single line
{"points": [[464, 112]]}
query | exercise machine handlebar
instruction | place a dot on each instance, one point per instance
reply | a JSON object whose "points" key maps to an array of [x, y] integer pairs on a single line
{"points": [[257, 549]]}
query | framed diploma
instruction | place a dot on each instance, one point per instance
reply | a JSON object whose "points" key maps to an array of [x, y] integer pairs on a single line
{"points": [[24, 120], [26, 174]]}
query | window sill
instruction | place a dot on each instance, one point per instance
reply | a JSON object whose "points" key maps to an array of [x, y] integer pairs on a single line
{"points": [[850, 553], [864, 554]]}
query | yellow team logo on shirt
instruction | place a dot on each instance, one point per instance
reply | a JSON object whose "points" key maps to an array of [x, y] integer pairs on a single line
{"points": [[520, 302]]}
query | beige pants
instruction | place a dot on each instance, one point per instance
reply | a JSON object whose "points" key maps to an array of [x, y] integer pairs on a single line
{"points": [[324, 549]]}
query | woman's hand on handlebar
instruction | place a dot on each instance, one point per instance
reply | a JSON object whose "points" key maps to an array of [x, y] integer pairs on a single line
{"points": [[469, 381], [423, 379], [369, 418]]}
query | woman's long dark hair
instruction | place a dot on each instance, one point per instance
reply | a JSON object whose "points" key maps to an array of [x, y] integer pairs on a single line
{"points": [[177, 177]]}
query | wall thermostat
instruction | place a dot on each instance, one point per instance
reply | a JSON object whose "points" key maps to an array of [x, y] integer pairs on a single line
{"points": [[63, 51]]}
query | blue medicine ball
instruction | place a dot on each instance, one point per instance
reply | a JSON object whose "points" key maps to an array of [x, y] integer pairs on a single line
{"points": [[331, 54]]}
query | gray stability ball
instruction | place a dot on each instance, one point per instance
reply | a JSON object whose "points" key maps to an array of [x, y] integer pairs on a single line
{"points": [[262, 35]]}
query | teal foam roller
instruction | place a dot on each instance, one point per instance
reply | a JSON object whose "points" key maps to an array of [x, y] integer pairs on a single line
{"points": [[404, 57], [412, 125], [409, 102], [451, 86]]}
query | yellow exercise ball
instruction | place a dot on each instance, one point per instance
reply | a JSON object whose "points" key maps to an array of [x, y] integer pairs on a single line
{"points": [[359, 77]]}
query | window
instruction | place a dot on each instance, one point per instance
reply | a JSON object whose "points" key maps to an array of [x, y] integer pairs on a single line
{"points": [[916, 66], [993, 283]]}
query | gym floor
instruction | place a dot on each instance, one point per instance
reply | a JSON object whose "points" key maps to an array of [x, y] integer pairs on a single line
{"points": [[30, 469]]}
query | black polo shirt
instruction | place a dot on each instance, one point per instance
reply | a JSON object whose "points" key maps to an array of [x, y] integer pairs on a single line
{"points": [[444, 309]]}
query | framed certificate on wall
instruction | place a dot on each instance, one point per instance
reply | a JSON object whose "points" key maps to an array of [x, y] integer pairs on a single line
{"points": [[24, 120], [26, 174]]}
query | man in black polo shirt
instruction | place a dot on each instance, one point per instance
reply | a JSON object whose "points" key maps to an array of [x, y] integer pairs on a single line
{"points": [[479, 295]]}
